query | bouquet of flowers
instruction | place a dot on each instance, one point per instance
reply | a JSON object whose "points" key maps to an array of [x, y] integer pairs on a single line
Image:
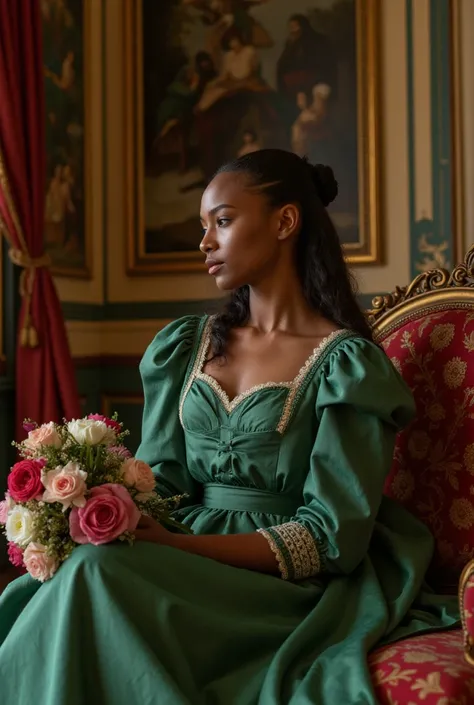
{"points": [[76, 483]]}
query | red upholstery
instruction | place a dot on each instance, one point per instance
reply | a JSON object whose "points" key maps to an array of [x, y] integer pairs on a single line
{"points": [[466, 591], [424, 670], [433, 476], [433, 469]]}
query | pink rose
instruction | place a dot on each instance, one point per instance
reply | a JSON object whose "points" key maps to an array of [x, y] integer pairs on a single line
{"points": [[24, 480], [66, 485], [15, 555], [45, 435], [5, 506], [108, 513], [121, 451], [110, 423], [37, 562], [138, 474], [29, 425]]}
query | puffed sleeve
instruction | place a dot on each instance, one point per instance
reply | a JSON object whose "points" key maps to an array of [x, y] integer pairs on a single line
{"points": [[361, 404], [163, 370]]}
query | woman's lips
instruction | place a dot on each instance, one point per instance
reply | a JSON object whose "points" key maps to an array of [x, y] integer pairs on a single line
{"points": [[214, 267]]}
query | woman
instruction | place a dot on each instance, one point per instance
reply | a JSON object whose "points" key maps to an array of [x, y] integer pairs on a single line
{"points": [[297, 566]]}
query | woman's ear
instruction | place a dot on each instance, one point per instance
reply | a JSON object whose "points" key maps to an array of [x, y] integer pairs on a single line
{"points": [[289, 221]]}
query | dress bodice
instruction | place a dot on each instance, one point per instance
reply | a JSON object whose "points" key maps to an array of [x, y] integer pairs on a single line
{"points": [[304, 460], [239, 442]]}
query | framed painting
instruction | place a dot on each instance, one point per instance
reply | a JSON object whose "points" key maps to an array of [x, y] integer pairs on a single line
{"points": [[67, 202], [208, 80]]}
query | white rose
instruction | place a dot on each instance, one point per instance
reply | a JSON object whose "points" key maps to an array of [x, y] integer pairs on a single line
{"points": [[91, 433], [45, 435], [19, 526], [65, 485], [37, 562]]}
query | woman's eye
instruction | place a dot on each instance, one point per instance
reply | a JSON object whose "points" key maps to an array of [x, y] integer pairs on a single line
{"points": [[222, 222]]}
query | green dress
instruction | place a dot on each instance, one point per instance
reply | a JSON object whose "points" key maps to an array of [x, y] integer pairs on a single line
{"points": [[303, 462]]}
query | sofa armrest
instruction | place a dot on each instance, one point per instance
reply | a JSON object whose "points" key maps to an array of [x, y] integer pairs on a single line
{"points": [[466, 607]]}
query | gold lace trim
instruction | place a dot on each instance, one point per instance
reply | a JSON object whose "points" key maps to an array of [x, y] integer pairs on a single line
{"points": [[282, 565], [302, 559], [299, 379], [198, 364], [229, 405]]}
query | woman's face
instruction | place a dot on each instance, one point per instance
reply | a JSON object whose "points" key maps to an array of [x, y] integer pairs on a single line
{"points": [[242, 234]]}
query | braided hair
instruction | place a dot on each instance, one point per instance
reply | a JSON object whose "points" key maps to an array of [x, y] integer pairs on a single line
{"points": [[328, 287]]}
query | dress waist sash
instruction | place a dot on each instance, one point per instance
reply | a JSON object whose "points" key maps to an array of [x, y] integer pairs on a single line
{"points": [[248, 499]]}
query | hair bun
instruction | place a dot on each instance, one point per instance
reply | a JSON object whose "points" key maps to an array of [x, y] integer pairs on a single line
{"points": [[325, 182]]}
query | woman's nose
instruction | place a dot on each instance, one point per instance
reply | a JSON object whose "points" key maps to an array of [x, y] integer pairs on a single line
{"points": [[207, 243]]}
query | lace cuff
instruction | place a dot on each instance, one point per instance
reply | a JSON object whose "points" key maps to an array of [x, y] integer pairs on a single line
{"points": [[295, 549]]}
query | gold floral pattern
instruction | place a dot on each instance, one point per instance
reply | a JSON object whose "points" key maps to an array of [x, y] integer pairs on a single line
{"points": [[403, 485], [442, 335], [428, 670], [454, 372], [419, 657], [436, 412], [468, 458], [418, 444], [462, 513], [397, 364], [433, 469]]}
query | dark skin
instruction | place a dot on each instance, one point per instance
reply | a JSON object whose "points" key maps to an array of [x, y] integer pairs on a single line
{"points": [[248, 242]]}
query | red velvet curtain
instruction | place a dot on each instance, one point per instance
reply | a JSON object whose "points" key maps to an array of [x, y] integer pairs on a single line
{"points": [[46, 388]]}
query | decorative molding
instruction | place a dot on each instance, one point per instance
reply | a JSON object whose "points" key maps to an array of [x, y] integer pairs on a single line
{"points": [[434, 280], [433, 103], [98, 361], [138, 310], [441, 120], [458, 137], [109, 399], [153, 310]]}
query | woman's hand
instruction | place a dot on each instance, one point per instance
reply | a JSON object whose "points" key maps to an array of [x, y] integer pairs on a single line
{"points": [[150, 530]]}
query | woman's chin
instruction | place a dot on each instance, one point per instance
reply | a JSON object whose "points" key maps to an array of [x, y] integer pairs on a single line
{"points": [[225, 282]]}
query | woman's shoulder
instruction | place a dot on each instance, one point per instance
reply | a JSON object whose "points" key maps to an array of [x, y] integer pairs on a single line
{"points": [[173, 344], [355, 371]]}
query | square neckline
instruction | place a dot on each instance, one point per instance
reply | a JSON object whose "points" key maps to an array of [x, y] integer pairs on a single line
{"points": [[229, 405]]}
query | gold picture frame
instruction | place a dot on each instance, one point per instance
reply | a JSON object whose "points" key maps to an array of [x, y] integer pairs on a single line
{"points": [[366, 251], [62, 268]]}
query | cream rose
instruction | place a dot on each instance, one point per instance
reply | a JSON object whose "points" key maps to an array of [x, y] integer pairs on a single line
{"points": [[19, 526], [65, 485], [90, 432], [37, 562], [139, 475], [45, 435]]}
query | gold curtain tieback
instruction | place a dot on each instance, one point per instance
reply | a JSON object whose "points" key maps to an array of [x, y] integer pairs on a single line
{"points": [[22, 259], [28, 333]]}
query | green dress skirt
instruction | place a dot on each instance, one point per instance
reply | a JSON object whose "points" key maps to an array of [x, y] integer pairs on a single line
{"points": [[303, 462]]}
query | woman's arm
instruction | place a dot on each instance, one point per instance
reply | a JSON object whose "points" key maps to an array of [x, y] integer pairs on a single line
{"points": [[251, 551]]}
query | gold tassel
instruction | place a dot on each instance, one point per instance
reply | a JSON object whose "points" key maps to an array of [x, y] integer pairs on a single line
{"points": [[24, 337], [32, 337], [28, 333]]}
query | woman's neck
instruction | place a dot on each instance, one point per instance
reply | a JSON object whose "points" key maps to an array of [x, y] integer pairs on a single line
{"points": [[280, 305]]}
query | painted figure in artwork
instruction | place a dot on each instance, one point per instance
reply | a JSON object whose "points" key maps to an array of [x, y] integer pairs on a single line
{"points": [[240, 72], [184, 92], [306, 59], [221, 16], [310, 125], [224, 78], [250, 143]]}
